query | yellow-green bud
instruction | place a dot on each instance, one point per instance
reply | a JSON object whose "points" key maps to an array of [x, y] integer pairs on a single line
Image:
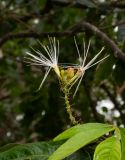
{"points": [[70, 73]]}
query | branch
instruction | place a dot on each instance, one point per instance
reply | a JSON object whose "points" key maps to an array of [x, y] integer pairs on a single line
{"points": [[4, 97], [29, 34], [77, 28], [116, 51], [11, 36]]}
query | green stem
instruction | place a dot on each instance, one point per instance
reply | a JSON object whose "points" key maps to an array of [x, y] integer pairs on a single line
{"points": [[68, 107]]}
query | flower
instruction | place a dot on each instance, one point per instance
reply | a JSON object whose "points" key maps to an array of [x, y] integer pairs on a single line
{"points": [[41, 60], [82, 67], [68, 73]]}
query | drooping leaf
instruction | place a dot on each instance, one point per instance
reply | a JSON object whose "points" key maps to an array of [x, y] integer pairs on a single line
{"points": [[8, 146], [82, 128], [109, 149], [42, 151], [79, 138], [122, 131], [30, 151]]}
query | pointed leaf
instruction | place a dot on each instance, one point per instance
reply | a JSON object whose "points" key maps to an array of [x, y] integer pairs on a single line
{"points": [[30, 151], [81, 128], [8, 146], [122, 131], [81, 138], [109, 149]]}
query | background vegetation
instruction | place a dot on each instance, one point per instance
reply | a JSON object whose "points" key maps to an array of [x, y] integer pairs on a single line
{"points": [[27, 115]]}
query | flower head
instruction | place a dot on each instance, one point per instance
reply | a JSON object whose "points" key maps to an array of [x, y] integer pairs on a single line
{"points": [[51, 61], [82, 67]]}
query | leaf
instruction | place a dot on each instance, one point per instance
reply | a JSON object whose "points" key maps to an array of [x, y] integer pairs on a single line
{"points": [[17, 150], [109, 149], [30, 151], [8, 146], [81, 128], [122, 131], [80, 136]]}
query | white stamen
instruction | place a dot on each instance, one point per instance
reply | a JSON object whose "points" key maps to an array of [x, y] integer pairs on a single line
{"points": [[45, 76], [40, 59], [78, 85], [93, 59], [85, 54], [77, 49], [97, 62], [84, 67]]}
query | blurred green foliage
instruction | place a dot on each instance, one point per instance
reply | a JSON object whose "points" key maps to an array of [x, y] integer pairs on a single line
{"points": [[28, 115]]}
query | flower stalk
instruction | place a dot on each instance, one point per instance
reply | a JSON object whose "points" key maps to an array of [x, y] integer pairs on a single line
{"points": [[68, 106], [68, 77]]}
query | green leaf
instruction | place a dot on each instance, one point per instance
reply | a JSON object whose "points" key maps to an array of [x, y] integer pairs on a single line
{"points": [[109, 149], [8, 146], [30, 151], [81, 135], [82, 128], [122, 131]]}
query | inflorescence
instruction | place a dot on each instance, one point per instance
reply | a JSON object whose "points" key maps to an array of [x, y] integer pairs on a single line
{"points": [[68, 75]]}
